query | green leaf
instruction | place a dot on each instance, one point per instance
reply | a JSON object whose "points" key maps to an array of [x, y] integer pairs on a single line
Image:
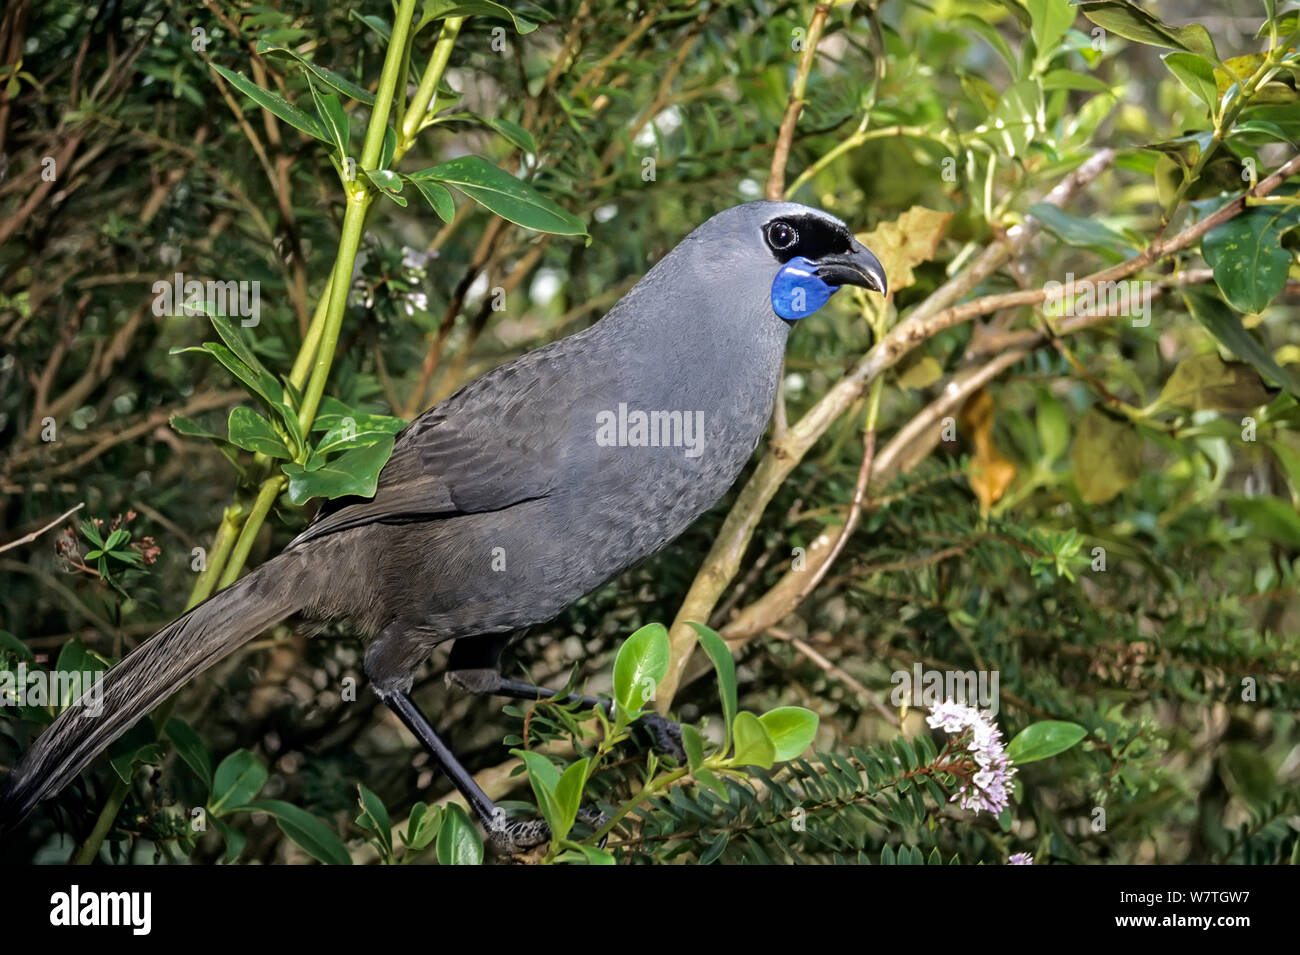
{"points": [[1043, 739], [311, 834], [191, 749], [503, 194], [353, 472], [1052, 424], [587, 855], [436, 195], [568, 796], [334, 415], [1106, 457], [693, 743], [1225, 325], [234, 839], [1130, 21], [422, 826], [15, 646], [791, 730], [250, 431], [1197, 74], [441, 9], [458, 840], [515, 134], [1207, 382], [387, 182], [374, 820], [544, 778], [238, 779], [1049, 21], [1250, 265], [710, 779], [331, 79], [1018, 118], [1070, 80], [333, 120], [724, 664], [1270, 518], [276, 103], [138, 746], [753, 746], [641, 663], [1079, 232]]}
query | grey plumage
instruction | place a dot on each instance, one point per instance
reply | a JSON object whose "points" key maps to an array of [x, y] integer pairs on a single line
{"points": [[500, 507]]}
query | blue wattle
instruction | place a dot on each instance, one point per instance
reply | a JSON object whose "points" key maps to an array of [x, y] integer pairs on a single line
{"points": [[797, 292]]}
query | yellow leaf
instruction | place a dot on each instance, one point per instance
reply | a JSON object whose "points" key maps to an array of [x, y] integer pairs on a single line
{"points": [[990, 473], [908, 241]]}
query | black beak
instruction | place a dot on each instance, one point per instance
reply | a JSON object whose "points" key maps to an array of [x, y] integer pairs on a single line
{"points": [[858, 267]]}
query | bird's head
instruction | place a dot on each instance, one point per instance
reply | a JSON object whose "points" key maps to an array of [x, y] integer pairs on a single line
{"points": [[805, 254]]}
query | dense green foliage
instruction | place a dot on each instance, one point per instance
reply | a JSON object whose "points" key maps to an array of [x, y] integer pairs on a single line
{"points": [[1099, 508]]}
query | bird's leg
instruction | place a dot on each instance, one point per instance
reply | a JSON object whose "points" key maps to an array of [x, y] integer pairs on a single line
{"points": [[477, 670], [507, 836]]}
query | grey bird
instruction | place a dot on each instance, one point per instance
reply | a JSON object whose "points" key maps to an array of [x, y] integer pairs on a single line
{"points": [[510, 500]]}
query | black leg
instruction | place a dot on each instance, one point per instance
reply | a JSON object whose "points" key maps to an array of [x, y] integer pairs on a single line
{"points": [[507, 836]]}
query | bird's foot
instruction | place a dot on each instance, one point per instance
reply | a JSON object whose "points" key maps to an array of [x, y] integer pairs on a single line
{"points": [[524, 837], [665, 735]]}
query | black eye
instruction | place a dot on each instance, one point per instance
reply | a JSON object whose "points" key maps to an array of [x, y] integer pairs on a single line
{"points": [[782, 235]]}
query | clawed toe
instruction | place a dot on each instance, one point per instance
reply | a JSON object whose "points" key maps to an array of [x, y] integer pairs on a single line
{"points": [[665, 735]]}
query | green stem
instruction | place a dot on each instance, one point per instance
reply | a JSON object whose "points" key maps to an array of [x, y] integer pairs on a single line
{"points": [[88, 850], [428, 89], [261, 507], [226, 534]]}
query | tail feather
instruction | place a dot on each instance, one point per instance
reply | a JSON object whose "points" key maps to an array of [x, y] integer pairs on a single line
{"points": [[157, 668]]}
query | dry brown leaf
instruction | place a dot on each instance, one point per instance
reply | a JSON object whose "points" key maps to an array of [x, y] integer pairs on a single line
{"points": [[990, 472], [906, 242]]}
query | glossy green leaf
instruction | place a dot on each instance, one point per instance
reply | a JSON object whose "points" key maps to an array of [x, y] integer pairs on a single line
{"points": [[568, 796], [250, 431], [374, 820], [724, 664], [1225, 325], [503, 194], [311, 834], [436, 195], [331, 79], [354, 472], [1130, 21], [1043, 739], [239, 778], [1250, 265], [458, 840], [1077, 231], [441, 9], [333, 120], [276, 103], [1196, 73], [641, 663], [791, 730], [422, 826], [753, 747], [693, 743]]}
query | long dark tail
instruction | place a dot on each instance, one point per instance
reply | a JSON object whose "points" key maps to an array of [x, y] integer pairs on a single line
{"points": [[156, 669]]}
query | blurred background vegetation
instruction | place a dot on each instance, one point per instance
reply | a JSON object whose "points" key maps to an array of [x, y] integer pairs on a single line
{"points": [[1048, 500]]}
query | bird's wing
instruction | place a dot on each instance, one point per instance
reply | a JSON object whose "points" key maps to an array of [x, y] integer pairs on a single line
{"points": [[495, 443]]}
